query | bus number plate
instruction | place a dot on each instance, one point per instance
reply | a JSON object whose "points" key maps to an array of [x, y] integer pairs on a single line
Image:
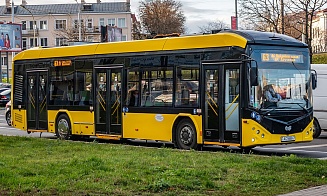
{"points": [[287, 138]]}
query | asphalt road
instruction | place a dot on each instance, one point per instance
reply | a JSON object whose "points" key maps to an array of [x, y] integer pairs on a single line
{"points": [[315, 149]]}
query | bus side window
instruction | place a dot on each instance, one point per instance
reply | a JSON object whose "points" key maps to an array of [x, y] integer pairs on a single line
{"points": [[133, 100], [85, 97]]}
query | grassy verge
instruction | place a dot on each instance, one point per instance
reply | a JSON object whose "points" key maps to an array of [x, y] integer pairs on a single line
{"points": [[34, 166]]}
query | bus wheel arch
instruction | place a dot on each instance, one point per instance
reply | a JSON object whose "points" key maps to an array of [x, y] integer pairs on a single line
{"points": [[316, 128], [184, 134], [63, 126]]}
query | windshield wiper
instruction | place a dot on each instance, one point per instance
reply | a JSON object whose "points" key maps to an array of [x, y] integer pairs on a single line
{"points": [[304, 109]]}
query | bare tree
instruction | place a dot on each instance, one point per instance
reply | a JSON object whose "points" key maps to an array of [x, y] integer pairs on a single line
{"points": [[70, 32], [217, 25], [305, 11], [292, 17], [263, 14], [162, 17]]}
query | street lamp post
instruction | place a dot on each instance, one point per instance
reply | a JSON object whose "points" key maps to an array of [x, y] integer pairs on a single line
{"points": [[34, 22], [236, 17], [79, 21]]}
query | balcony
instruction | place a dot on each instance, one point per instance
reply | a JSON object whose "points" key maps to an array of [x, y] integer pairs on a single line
{"points": [[30, 32], [92, 30]]}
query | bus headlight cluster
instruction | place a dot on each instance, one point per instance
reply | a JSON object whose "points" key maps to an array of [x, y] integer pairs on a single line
{"points": [[263, 135], [256, 116]]}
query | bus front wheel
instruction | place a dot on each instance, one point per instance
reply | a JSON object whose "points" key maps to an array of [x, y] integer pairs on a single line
{"points": [[186, 135], [316, 129], [63, 127]]}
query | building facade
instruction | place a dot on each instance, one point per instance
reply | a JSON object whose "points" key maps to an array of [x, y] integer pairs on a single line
{"points": [[55, 25], [319, 32]]}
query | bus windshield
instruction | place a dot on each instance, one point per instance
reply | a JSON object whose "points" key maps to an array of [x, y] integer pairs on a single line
{"points": [[284, 80]]}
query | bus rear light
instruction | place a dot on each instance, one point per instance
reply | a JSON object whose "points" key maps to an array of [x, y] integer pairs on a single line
{"points": [[136, 129]]}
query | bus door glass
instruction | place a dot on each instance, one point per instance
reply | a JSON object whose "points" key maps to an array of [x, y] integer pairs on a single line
{"points": [[108, 100], [221, 103], [37, 117], [232, 97]]}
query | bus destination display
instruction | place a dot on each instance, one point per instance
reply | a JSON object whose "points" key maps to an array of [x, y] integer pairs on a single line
{"points": [[273, 57]]}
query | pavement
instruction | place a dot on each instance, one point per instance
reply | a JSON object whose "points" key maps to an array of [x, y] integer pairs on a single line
{"points": [[313, 191]]}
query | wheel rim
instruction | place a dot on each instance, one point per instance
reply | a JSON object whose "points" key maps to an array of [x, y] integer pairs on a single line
{"points": [[186, 135], [63, 128]]}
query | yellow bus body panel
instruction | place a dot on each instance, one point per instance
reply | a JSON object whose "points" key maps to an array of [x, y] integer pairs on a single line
{"points": [[253, 134], [82, 122], [155, 126], [19, 119]]}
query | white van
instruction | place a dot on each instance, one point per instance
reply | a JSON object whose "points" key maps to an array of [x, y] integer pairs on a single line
{"points": [[320, 99]]}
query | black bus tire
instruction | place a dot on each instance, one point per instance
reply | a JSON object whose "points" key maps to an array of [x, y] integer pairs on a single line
{"points": [[8, 118], [63, 127], [185, 137], [316, 129]]}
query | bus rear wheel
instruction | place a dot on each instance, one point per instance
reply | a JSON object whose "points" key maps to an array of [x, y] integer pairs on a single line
{"points": [[186, 135], [63, 127]]}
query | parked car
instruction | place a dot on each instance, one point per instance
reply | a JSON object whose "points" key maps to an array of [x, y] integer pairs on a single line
{"points": [[319, 100], [8, 113], [5, 85], [5, 97], [3, 89]]}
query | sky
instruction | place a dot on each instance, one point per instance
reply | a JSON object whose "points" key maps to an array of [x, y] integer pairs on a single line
{"points": [[198, 13]]}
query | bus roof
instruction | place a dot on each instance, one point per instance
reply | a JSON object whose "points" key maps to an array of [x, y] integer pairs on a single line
{"points": [[271, 38], [221, 39]]}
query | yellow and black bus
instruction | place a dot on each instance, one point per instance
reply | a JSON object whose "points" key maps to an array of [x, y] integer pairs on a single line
{"points": [[190, 91]]}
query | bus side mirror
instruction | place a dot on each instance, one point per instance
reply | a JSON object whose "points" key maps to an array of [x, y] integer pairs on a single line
{"points": [[314, 80], [254, 76]]}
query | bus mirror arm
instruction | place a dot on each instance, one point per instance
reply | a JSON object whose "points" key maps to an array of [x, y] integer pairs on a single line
{"points": [[253, 70]]}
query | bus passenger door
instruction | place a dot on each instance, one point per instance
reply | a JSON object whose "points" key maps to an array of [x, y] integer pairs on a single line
{"points": [[108, 100], [221, 103], [37, 115]]}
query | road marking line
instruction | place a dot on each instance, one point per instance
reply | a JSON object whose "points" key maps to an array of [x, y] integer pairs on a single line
{"points": [[9, 128], [299, 147], [283, 149], [311, 146]]}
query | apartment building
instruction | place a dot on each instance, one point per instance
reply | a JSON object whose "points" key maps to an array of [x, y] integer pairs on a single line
{"points": [[56, 25], [319, 32]]}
